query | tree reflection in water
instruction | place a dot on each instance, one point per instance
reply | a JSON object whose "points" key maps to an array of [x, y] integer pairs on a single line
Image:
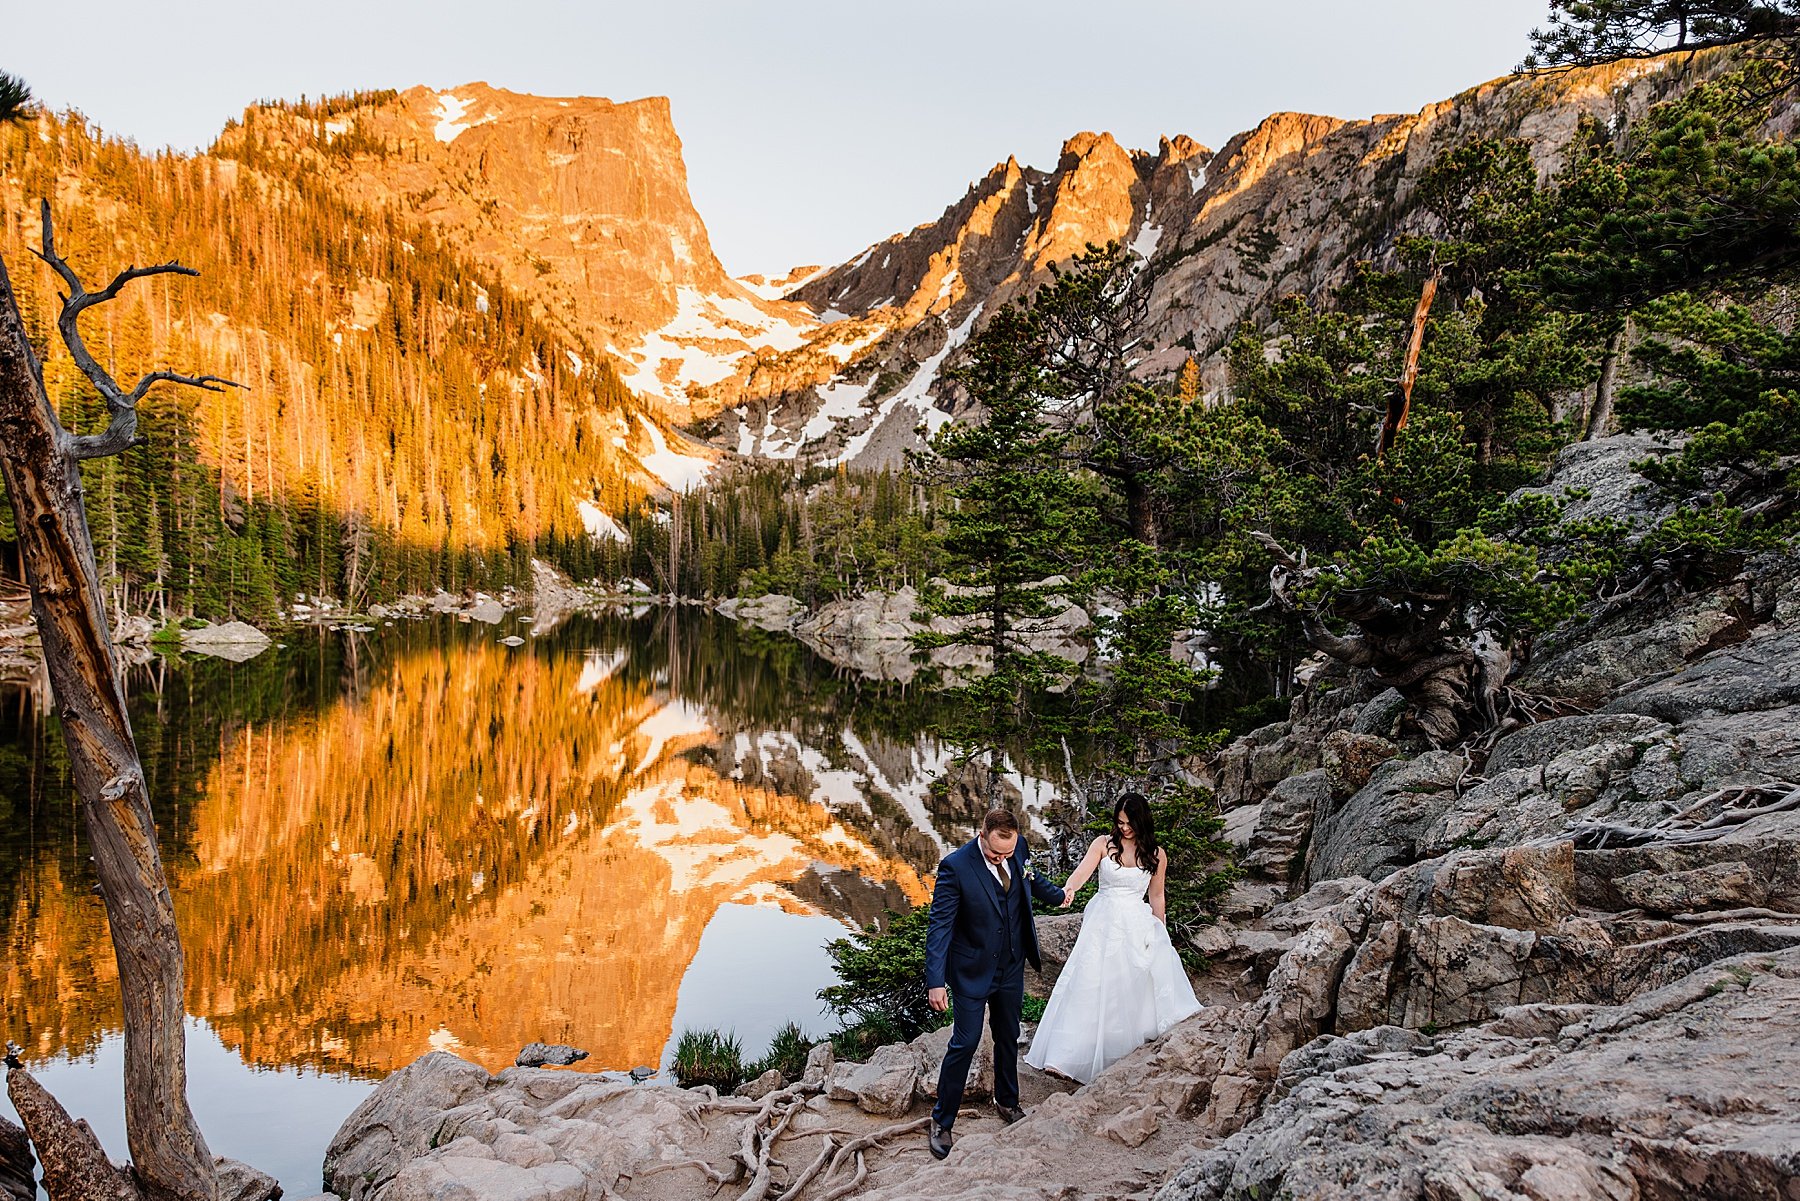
{"points": [[425, 838]]}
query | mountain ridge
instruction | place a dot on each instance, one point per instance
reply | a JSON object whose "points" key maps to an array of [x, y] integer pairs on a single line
{"points": [[1288, 206]]}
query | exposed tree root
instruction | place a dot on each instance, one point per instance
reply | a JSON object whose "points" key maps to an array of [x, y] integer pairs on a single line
{"points": [[856, 1151], [1680, 827], [713, 1174]]}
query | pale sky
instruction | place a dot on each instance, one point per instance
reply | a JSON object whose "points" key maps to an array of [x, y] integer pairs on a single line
{"points": [[810, 129]]}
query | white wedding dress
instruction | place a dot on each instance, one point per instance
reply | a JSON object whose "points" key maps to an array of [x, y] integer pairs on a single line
{"points": [[1122, 986]]}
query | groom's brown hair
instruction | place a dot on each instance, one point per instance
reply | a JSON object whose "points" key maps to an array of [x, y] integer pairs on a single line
{"points": [[999, 819]]}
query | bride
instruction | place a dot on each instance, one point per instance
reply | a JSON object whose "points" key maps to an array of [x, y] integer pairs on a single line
{"points": [[1123, 983]]}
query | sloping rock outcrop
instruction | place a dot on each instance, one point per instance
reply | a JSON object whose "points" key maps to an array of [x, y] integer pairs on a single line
{"points": [[1680, 1093]]}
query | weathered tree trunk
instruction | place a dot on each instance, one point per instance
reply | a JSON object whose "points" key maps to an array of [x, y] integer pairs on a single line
{"points": [[1599, 422], [1140, 510], [1400, 404], [40, 463]]}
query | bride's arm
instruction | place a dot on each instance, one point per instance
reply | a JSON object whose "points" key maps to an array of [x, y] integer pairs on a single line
{"points": [[1084, 869], [1157, 904]]}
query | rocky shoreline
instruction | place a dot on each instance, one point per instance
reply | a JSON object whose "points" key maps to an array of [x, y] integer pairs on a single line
{"points": [[872, 633]]}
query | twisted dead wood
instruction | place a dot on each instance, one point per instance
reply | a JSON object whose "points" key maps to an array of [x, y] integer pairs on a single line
{"points": [[40, 462]]}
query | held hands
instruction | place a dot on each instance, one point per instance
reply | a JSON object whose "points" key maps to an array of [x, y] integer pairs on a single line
{"points": [[938, 999], [1068, 895]]}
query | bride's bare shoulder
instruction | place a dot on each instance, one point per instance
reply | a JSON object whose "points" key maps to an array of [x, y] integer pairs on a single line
{"points": [[1100, 843]]}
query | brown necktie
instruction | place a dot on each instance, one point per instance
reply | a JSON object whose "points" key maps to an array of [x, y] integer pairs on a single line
{"points": [[1005, 877]]}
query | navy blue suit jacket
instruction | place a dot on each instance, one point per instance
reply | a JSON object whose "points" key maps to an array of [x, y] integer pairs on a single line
{"points": [[963, 941]]}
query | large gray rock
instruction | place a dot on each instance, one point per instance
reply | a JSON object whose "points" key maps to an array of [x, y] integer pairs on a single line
{"points": [[1537, 745], [773, 611], [1685, 1092], [488, 611], [930, 1050], [1246, 770], [1595, 480], [1350, 759], [233, 640], [241, 1182], [1378, 829], [1285, 823], [537, 1055], [1056, 933], [397, 1122], [1762, 673], [884, 1085]]}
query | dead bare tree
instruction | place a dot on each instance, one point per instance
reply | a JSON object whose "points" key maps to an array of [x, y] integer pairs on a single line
{"points": [[1400, 403], [40, 460]]}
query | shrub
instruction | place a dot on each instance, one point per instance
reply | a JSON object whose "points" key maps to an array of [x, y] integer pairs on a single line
{"points": [[786, 1054], [709, 1057], [859, 1040], [882, 978]]}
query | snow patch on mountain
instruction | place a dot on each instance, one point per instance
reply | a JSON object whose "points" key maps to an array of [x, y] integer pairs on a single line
{"points": [[705, 342], [682, 473], [599, 523], [451, 110], [915, 394]]}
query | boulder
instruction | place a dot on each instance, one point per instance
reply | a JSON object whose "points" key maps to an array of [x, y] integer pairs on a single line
{"points": [[398, 1122], [133, 630], [241, 1182], [234, 640], [1594, 479], [1350, 758], [773, 611], [1056, 933], [1687, 1092], [819, 1062], [1245, 771], [536, 1055], [1381, 715], [884, 1085], [1378, 828], [1760, 674], [930, 1049], [1284, 825], [487, 611], [770, 1081]]}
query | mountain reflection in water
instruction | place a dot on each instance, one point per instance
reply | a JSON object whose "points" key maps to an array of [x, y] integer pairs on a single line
{"points": [[425, 839]]}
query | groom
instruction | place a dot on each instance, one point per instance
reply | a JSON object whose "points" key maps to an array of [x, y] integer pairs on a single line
{"points": [[980, 938]]}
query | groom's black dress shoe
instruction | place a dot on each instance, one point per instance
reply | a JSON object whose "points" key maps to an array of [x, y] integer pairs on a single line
{"points": [[940, 1140], [1009, 1113]]}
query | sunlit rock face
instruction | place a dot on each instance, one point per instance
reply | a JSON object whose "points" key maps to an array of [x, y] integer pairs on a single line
{"points": [[479, 847], [582, 205], [1287, 207]]}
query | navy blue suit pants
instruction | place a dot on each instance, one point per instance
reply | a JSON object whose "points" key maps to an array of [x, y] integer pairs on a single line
{"points": [[1001, 1009]]}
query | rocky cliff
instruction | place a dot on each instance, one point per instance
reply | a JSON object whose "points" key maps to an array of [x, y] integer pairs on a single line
{"points": [[580, 203], [1287, 207]]}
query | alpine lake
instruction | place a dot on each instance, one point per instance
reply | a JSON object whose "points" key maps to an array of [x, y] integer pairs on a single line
{"points": [[636, 823]]}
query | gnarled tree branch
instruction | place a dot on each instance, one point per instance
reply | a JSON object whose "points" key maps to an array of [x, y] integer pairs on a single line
{"points": [[120, 433]]}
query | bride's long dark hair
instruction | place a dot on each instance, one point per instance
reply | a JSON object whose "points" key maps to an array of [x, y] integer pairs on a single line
{"points": [[1143, 830]]}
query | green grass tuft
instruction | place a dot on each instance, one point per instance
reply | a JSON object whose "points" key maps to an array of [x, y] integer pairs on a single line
{"points": [[709, 1057]]}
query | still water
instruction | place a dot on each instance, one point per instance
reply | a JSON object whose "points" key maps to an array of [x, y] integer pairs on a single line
{"points": [[421, 838]]}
